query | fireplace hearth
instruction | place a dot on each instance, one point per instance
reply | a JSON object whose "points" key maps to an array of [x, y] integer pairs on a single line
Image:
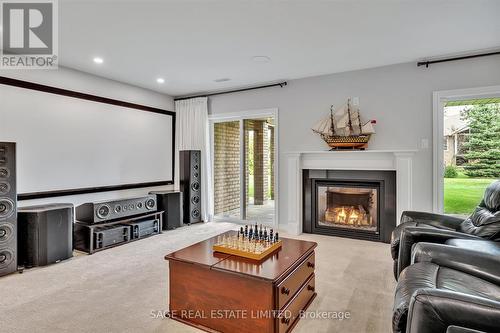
{"points": [[356, 204]]}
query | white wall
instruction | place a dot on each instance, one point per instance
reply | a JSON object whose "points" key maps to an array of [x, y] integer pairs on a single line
{"points": [[86, 83], [399, 97]]}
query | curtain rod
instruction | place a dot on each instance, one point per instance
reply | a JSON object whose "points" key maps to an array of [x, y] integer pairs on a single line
{"points": [[429, 62], [281, 84]]}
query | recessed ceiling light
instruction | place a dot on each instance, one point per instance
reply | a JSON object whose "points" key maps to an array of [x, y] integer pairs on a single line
{"points": [[261, 59], [160, 80], [224, 79], [98, 60]]}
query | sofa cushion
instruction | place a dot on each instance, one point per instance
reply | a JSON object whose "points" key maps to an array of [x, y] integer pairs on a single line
{"points": [[428, 275]]}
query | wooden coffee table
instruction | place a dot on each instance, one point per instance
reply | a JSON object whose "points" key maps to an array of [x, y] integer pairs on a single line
{"points": [[224, 293]]}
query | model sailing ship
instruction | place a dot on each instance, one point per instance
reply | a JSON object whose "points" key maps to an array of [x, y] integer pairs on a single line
{"points": [[344, 129]]}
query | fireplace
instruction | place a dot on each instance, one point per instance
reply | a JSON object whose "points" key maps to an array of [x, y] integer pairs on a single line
{"points": [[357, 204], [347, 206]]}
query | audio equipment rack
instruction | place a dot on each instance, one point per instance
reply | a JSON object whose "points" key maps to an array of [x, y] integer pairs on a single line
{"points": [[84, 232]]}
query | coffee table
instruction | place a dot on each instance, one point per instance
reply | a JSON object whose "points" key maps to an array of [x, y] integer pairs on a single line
{"points": [[218, 292]]}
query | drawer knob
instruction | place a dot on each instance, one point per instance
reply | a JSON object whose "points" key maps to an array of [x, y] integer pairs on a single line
{"points": [[311, 288], [310, 264], [285, 291], [285, 321]]}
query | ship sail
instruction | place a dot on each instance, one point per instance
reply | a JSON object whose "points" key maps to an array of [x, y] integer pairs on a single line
{"points": [[323, 126], [367, 128]]}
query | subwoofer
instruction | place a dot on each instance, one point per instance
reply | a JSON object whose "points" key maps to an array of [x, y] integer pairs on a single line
{"points": [[96, 212], [8, 208], [190, 182], [45, 234], [170, 202]]}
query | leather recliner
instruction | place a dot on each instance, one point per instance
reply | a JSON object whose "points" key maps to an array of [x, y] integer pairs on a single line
{"points": [[483, 223], [449, 289]]}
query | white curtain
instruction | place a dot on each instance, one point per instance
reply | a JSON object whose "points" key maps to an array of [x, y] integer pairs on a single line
{"points": [[193, 134]]}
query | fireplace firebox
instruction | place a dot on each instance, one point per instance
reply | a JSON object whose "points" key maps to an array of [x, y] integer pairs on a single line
{"points": [[357, 204]]}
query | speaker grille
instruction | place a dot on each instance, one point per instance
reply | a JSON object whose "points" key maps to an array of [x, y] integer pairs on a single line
{"points": [[8, 216], [6, 258], [7, 233], [191, 184]]}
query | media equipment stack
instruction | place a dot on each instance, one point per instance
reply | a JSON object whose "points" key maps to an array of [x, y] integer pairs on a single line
{"points": [[8, 208], [171, 203], [45, 234], [105, 224], [190, 183]]}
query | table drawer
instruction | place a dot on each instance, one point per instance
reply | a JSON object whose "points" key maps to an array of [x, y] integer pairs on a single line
{"points": [[288, 287], [292, 312]]}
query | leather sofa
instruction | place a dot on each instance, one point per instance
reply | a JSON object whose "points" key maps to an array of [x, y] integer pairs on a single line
{"points": [[450, 288], [483, 223]]}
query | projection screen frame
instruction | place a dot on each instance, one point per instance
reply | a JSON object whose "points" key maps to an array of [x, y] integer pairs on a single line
{"points": [[94, 98]]}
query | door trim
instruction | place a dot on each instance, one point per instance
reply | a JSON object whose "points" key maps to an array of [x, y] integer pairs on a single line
{"points": [[240, 116], [439, 99]]}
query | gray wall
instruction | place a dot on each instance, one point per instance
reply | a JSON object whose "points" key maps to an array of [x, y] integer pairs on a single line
{"points": [[399, 97]]}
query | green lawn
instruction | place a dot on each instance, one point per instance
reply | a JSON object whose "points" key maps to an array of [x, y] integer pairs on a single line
{"points": [[462, 194]]}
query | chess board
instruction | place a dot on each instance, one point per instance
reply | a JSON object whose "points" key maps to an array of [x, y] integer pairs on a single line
{"points": [[248, 253]]}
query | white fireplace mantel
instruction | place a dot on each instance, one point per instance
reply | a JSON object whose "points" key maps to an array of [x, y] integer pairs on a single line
{"points": [[400, 161]]}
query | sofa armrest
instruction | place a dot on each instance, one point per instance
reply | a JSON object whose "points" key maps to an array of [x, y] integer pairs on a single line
{"points": [[437, 220], [459, 329], [482, 265], [434, 310], [413, 235]]}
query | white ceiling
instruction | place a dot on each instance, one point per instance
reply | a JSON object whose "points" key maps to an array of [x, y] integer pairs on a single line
{"points": [[192, 43]]}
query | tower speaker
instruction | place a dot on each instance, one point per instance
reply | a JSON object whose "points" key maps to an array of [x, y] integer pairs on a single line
{"points": [[45, 234], [190, 182], [171, 204], [8, 208]]}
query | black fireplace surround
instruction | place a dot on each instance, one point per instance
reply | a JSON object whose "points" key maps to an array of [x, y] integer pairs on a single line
{"points": [[357, 185]]}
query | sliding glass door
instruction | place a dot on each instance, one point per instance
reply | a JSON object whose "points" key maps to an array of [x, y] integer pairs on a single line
{"points": [[226, 169], [244, 168]]}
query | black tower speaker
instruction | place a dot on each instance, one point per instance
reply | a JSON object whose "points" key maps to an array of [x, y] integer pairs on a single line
{"points": [[45, 234], [171, 204], [190, 181], [8, 208]]}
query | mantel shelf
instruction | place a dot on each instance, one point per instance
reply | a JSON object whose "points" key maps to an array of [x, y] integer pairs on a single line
{"points": [[368, 151]]}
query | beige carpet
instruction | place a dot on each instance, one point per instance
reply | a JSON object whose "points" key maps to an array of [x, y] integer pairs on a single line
{"points": [[118, 290]]}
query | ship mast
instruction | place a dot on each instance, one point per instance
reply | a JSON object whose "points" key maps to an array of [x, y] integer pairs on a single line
{"points": [[332, 126], [360, 125], [349, 114]]}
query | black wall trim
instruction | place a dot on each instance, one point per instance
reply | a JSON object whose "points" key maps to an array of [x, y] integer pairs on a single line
{"points": [[99, 99], [86, 190], [75, 94]]}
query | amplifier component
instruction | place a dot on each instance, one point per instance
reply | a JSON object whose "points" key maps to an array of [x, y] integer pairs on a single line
{"points": [[97, 212], [141, 229], [108, 236]]}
